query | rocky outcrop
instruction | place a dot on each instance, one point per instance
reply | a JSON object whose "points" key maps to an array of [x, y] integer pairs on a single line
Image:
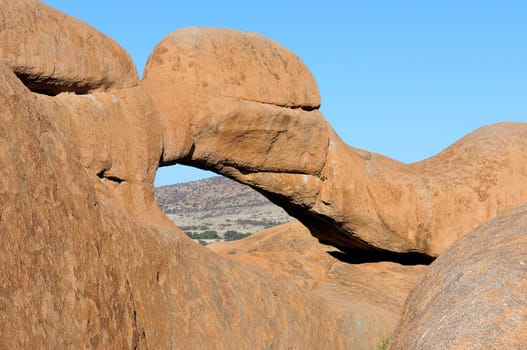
{"points": [[52, 52], [223, 77], [366, 292], [88, 259], [474, 295], [83, 266], [245, 107]]}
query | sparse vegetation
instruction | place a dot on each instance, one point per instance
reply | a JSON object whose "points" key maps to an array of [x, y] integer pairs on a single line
{"points": [[322, 177], [383, 344], [195, 228], [209, 234], [235, 235], [251, 222]]}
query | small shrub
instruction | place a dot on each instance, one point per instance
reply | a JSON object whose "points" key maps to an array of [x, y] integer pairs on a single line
{"points": [[383, 344], [234, 235], [209, 234]]}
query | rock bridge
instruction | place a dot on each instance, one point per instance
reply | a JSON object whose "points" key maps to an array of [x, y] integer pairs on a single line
{"points": [[247, 108], [89, 260]]}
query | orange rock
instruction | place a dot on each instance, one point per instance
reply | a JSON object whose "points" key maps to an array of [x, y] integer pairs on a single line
{"points": [[424, 206], [89, 260], [81, 268], [100, 127], [230, 104], [54, 52], [474, 295], [366, 294], [236, 98]]}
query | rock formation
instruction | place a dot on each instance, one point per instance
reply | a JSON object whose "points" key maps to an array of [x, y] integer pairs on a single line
{"points": [[80, 269], [244, 106], [368, 293], [88, 259], [474, 296], [53, 52]]}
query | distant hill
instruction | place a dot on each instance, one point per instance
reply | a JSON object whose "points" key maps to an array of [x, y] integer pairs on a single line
{"points": [[218, 208]]}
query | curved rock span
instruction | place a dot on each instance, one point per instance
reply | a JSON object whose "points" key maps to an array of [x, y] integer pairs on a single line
{"points": [[89, 260], [243, 106]]}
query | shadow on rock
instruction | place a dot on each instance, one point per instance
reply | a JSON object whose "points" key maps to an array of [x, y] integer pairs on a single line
{"points": [[358, 256]]}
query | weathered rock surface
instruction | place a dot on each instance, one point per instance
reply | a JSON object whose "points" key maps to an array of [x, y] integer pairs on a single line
{"points": [[222, 96], [88, 259], [237, 98], [81, 269], [53, 52], [474, 296], [368, 294]]}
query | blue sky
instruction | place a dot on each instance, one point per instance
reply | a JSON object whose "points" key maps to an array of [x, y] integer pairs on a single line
{"points": [[402, 78]]}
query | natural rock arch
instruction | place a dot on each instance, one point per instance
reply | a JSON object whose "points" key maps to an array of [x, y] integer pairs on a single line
{"points": [[88, 259], [245, 107]]}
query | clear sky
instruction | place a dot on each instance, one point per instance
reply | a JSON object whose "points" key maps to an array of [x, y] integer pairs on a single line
{"points": [[402, 78]]}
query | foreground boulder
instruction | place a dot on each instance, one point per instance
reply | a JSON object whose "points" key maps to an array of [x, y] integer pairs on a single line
{"points": [[245, 107], [474, 296], [366, 290]]}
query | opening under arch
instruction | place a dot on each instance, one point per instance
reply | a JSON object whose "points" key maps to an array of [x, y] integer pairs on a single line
{"points": [[210, 207]]}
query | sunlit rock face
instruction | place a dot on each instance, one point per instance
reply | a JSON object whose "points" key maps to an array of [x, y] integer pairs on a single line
{"points": [[472, 296], [55, 53], [88, 259], [244, 106]]}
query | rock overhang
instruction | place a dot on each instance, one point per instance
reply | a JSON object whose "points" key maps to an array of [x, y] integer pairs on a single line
{"points": [[227, 86], [243, 106], [53, 53]]}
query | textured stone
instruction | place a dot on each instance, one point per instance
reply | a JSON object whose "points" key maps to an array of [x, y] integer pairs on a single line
{"points": [[423, 206], [366, 294], [53, 52], [247, 129], [238, 91], [81, 268], [107, 131], [89, 260], [474, 295]]}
